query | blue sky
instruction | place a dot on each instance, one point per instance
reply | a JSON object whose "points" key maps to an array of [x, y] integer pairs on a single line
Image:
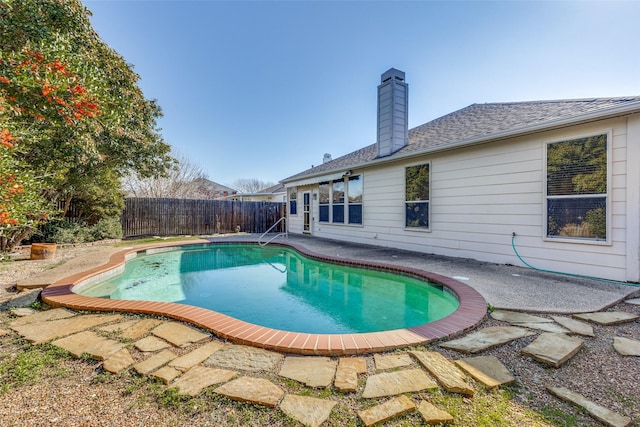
{"points": [[263, 89]]}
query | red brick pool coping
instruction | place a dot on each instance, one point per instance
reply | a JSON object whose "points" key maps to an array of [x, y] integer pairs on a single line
{"points": [[471, 311]]}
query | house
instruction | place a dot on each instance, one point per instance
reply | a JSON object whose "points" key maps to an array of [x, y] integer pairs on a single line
{"points": [[276, 193], [212, 190], [558, 181]]}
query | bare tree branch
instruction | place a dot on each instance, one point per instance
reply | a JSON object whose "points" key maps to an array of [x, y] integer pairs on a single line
{"points": [[180, 182], [251, 185]]}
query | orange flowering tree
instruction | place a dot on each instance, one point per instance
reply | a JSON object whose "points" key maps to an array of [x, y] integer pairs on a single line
{"points": [[22, 206], [72, 117]]}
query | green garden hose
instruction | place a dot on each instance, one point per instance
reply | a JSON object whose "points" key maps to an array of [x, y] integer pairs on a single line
{"points": [[617, 282]]}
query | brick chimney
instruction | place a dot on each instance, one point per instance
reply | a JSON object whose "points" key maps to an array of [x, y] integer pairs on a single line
{"points": [[393, 113]]}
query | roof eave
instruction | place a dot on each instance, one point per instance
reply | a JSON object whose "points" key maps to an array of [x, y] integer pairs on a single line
{"points": [[623, 110]]}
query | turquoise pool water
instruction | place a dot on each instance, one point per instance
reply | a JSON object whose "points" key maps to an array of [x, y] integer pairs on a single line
{"points": [[278, 288]]}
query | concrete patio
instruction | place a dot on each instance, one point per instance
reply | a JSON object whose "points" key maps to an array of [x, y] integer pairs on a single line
{"points": [[502, 286]]}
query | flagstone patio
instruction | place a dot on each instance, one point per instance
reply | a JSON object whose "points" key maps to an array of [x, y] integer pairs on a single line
{"points": [[192, 360]]}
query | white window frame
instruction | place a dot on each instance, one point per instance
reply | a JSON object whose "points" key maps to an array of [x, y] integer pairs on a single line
{"points": [[348, 203], [345, 204], [608, 204], [405, 201], [328, 205], [289, 200], [333, 204]]}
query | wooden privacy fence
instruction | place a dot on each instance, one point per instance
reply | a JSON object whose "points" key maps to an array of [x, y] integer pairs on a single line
{"points": [[174, 217]]}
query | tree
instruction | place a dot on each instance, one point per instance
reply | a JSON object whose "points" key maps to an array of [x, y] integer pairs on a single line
{"points": [[22, 207], [72, 107], [577, 166], [251, 185], [179, 183], [417, 183]]}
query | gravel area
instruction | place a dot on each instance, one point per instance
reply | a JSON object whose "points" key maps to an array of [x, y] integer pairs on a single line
{"points": [[78, 393], [22, 266]]}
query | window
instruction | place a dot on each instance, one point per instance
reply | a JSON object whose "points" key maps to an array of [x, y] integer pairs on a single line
{"points": [[417, 196], [337, 198], [334, 207], [354, 189], [577, 188], [293, 203], [323, 202]]}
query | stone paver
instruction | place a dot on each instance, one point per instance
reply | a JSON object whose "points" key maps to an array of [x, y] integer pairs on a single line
{"points": [[23, 311], [598, 412], [545, 327], [391, 361], [487, 338], [254, 390], [200, 354], [154, 362], [41, 332], [553, 349], [487, 369], [88, 342], [432, 415], [385, 411], [199, 377], [447, 373], [517, 317], [634, 301], [312, 371], [166, 374], [44, 316], [398, 382], [24, 298], [608, 317], [310, 411], [140, 329], [244, 358], [118, 361], [626, 346], [179, 334], [575, 326], [347, 373], [118, 327], [151, 344]]}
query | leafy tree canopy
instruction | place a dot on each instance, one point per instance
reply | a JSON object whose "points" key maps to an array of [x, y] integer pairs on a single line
{"points": [[577, 166], [417, 182], [71, 111]]}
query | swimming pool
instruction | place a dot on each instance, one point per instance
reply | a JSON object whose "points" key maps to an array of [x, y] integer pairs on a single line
{"points": [[471, 311], [277, 287]]}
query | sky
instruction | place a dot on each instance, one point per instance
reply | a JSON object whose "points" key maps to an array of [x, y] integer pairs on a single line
{"points": [[264, 89]]}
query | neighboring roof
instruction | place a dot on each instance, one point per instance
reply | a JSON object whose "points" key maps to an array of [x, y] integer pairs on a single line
{"points": [[479, 123], [269, 191], [274, 189], [213, 186]]}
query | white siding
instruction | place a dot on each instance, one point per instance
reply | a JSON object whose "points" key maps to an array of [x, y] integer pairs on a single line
{"points": [[481, 195], [632, 173]]}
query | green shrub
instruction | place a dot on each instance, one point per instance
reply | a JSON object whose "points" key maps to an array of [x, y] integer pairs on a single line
{"points": [[108, 228], [71, 233], [66, 231]]}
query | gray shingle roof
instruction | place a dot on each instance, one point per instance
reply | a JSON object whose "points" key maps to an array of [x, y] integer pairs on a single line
{"points": [[277, 188], [484, 122]]}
